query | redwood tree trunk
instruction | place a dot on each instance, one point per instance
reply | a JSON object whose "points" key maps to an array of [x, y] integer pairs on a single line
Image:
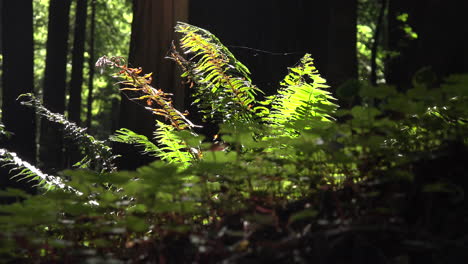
{"points": [[342, 57], [51, 137], [152, 34], [91, 61], [74, 105], [17, 77]]}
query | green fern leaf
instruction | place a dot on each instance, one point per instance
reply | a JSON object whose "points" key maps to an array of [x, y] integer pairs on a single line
{"points": [[127, 136], [224, 90], [25, 171], [174, 149], [95, 150], [301, 98]]}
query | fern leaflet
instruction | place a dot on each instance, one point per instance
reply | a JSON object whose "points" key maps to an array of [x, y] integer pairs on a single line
{"points": [[224, 89], [301, 97], [25, 171], [95, 150]]}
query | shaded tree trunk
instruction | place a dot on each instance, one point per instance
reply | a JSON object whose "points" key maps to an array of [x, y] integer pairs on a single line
{"points": [[152, 33], [441, 46], [17, 78], [51, 137], [76, 82], [398, 70], [89, 103], [342, 57], [74, 105]]}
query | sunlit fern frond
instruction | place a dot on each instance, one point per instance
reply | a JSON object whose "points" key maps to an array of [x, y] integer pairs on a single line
{"points": [[23, 170], [156, 100], [170, 148], [224, 91], [96, 150], [302, 98], [174, 149], [3, 132], [127, 136]]}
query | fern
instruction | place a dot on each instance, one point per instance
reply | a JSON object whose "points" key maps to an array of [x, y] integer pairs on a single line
{"points": [[152, 96], [3, 132], [95, 150], [127, 136], [175, 149], [172, 148], [301, 98], [25, 171], [224, 91]]}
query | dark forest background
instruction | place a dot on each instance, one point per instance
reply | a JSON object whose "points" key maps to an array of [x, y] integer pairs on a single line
{"points": [[50, 47]]}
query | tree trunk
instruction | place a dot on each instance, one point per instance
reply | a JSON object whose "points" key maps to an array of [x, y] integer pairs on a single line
{"points": [[342, 57], [51, 137], [76, 82], [89, 103], [74, 105], [398, 70], [441, 46], [17, 77], [152, 33]]}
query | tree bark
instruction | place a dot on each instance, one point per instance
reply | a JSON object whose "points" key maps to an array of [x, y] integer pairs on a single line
{"points": [[342, 57], [270, 36], [74, 105], [51, 137], [89, 103], [152, 33], [18, 78]]}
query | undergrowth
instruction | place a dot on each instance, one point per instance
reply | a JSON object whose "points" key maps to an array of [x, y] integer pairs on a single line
{"points": [[292, 178]]}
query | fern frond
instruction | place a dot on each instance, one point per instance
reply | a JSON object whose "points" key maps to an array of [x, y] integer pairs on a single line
{"points": [[133, 81], [95, 150], [224, 91], [127, 136], [3, 132], [174, 149], [171, 149], [301, 97], [25, 171]]}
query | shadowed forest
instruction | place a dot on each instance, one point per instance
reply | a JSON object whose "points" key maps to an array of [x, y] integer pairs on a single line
{"points": [[202, 131]]}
